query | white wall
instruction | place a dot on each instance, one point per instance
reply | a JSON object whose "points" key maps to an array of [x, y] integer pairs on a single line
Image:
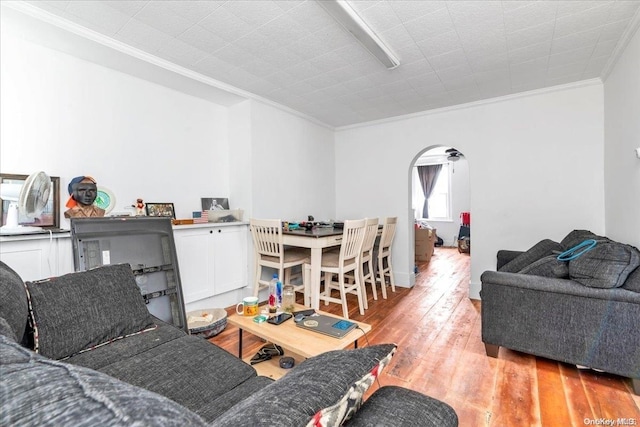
{"points": [[535, 167], [622, 137], [70, 117], [292, 166]]}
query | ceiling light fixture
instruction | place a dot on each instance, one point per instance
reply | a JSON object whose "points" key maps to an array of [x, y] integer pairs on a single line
{"points": [[342, 12]]}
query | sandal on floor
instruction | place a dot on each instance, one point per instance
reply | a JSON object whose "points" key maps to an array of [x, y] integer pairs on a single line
{"points": [[260, 357], [272, 350], [266, 353]]}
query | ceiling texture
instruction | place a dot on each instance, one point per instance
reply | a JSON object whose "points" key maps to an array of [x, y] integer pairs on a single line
{"points": [[295, 54]]}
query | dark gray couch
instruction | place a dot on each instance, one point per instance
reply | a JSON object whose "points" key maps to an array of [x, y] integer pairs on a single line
{"points": [[102, 359], [584, 312]]}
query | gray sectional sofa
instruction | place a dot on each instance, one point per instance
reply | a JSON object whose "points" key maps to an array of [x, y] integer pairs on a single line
{"points": [[83, 350], [585, 311]]}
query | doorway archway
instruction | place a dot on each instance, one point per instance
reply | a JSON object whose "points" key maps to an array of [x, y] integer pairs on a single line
{"points": [[452, 200]]}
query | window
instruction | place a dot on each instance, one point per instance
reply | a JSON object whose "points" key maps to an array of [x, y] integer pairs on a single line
{"points": [[440, 200]]}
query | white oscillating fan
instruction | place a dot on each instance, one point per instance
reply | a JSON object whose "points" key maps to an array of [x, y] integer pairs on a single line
{"points": [[29, 199]]}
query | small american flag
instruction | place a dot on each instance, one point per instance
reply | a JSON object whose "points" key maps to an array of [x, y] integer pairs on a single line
{"points": [[200, 217]]}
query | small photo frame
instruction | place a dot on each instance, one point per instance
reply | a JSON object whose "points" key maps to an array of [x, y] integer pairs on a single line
{"points": [[215, 203], [160, 209]]}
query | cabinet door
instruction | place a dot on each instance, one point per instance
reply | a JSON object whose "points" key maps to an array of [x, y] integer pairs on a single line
{"points": [[195, 260], [230, 255], [32, 259]]}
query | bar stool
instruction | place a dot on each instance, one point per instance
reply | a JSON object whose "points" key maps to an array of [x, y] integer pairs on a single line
{"points": [[270, 252], [384, 254], [345, 261]]}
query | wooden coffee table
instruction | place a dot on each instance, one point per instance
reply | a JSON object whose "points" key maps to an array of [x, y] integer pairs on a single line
{"points": [[297, 342]]}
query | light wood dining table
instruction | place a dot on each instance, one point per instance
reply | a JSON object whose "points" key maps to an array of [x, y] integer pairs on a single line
{"points": [[316, 240]]}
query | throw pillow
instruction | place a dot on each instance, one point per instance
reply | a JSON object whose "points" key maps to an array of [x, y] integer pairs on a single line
{"points": [[606, 266], [37, 391], [79, 311], [540, 250], [576, 237], [548, 266], [317, 383]]}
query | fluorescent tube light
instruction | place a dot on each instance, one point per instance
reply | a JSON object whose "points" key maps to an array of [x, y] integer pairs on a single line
{"points": [[349, 19]]}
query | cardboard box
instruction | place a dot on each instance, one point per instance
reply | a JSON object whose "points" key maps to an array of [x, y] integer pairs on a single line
{"points": [[425, 240]]}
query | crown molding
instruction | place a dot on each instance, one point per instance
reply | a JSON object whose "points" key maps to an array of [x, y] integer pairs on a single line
{"points": [[526, 94]]}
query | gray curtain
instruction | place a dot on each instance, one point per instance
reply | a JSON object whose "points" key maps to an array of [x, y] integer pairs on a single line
{"points": [[428, 176]]}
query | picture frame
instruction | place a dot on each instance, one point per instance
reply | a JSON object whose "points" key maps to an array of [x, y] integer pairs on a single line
{"points": [[214, 203], [50, 217], [160, 209]]}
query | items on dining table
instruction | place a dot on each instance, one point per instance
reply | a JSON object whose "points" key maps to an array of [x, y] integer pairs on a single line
{"points": [[290, 226]]}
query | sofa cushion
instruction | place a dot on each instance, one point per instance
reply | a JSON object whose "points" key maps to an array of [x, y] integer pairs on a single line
{"points": [[633, 281], [607, 265], [548, 266], [133, 346], [416, 410], [576, 237], [188, 370], [79, 311], [37, 391], [315, 384], [215, 408], [540, 250], [13, 307]]}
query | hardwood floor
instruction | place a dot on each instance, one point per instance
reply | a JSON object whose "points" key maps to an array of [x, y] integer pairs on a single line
{"points": [[440, 353]]}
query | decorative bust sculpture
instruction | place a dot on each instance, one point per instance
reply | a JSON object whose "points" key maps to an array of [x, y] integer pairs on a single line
{"points": [[83, 192]]}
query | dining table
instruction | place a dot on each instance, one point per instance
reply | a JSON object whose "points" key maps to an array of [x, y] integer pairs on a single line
{"points": [[315, 239]]}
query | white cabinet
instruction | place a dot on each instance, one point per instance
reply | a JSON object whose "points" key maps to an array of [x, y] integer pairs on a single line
{"points": [[38, 256], [212, 259]]}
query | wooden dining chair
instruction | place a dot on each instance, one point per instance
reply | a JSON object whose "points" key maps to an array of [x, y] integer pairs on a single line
{"points": [[270, 252], [385, 270], [367, 271], [342, 262]]}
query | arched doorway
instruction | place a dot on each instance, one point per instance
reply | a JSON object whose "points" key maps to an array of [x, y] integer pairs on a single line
{"points": [[449, 196]]}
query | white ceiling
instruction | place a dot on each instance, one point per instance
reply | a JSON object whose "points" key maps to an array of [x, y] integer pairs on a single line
{"points": [[293, 53]]}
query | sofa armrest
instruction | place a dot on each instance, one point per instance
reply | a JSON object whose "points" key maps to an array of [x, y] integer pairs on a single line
{"points": [[505, 256], [392, 406]]}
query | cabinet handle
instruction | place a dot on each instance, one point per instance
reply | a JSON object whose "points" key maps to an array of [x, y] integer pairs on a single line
{"points": [[219, 231], [210, 231]]}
